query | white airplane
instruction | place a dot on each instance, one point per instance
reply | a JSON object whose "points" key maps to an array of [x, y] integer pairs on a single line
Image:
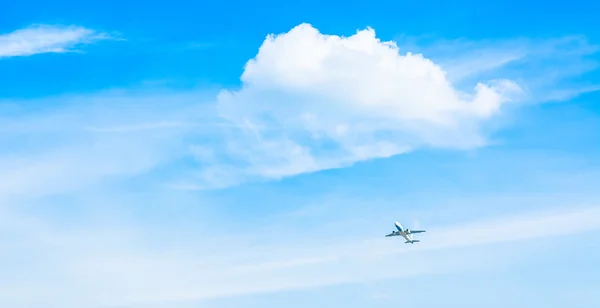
{"points": [[405, 233]]}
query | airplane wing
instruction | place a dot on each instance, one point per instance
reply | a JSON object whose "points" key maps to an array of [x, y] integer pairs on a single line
{"points": [[416, 231], [393, 234]]}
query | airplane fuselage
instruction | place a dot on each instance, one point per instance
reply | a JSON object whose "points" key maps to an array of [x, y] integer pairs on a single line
{"points": [[401, 230]]}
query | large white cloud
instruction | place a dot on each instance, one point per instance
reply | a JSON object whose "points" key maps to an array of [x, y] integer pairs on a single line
{"points": [[311, 101]]}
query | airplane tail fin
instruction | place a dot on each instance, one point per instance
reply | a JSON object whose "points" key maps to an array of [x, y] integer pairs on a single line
{"points": [[412, 241]]}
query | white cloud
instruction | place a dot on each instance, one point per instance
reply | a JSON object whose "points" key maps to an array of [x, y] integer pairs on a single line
{"points": [[46, 39], [311, 101]]}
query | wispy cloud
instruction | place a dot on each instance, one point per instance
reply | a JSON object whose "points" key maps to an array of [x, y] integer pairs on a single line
{"points": [[92, 138], [39, 39], [545, 68], [114, 266], [137, 127]]}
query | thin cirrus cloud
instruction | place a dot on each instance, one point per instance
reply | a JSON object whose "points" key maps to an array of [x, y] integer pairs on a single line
{"points": [[38, 39], [79, 145], [520, 60], [116, 267]]}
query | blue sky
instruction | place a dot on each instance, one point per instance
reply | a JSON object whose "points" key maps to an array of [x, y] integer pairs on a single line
{"points": [[180, 154]]}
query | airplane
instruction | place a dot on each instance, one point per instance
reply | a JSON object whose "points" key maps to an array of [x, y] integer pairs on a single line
{"points": [[405, 233]]}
